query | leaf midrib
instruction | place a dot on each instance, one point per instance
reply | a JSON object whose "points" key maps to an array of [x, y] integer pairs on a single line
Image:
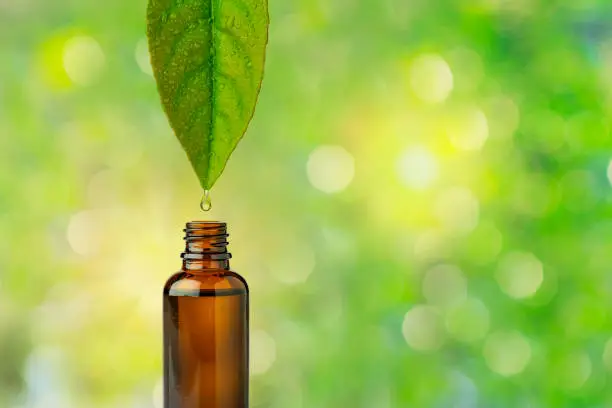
{"points": [[213, 84]]}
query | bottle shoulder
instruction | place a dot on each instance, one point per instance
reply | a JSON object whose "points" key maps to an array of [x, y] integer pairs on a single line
{"points": [[190, 283]]}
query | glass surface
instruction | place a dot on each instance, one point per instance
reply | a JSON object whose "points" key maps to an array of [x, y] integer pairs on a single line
{"points": [[206, 326], [206, 342]]}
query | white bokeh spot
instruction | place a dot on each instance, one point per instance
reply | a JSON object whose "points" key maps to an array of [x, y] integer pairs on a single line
{"points": [[330, 169], [431, 78], [418, 168]]}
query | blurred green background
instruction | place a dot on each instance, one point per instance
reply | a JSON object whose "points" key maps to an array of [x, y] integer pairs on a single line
{"points": [[422, 206]]}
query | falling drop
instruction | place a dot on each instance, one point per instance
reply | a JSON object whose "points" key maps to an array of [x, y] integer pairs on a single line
{"points": [[206, 203]]}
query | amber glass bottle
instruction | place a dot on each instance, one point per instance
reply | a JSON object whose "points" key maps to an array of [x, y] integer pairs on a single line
{"points": [[206, 326]]}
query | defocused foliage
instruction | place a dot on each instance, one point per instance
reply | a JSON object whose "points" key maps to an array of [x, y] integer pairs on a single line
{"points": [[422, 205]]}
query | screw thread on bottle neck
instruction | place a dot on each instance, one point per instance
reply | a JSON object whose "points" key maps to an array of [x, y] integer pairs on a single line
{"points": [[206, 246]]}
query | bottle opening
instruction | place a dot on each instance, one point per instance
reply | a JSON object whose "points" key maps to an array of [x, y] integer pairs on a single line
{"points": [[206, 240], [205, 228]]}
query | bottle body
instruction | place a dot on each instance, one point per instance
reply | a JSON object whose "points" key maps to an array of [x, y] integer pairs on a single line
{"points": [[206, 329]]}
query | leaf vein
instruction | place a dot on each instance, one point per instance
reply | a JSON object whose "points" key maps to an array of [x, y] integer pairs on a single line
{"points": [[186, 82], [177, 45], [240, 43]]}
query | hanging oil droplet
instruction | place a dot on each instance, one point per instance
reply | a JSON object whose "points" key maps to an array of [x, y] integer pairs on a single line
{"points": [[206, 203]]}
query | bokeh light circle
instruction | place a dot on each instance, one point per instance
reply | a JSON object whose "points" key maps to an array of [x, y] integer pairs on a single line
{"points": [[330, 169], [507, 353], [520, 275], [574, 370], [484, 243], [465, 393], [294, 264], [158, 394], [504, 117], [468, 130], [457, 209], [418, 168], [430, 245], [83, 233], [83, 60], [607, 355], [444, 286], [422, 328], [142, 56], [431, 79], [468, 321], [263, 352]]}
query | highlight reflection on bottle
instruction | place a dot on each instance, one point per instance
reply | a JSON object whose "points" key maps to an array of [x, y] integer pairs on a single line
{"points": [[206, 326]]}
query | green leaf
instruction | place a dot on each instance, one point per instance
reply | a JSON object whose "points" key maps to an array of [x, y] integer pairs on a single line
{"points": [[208, 59]]}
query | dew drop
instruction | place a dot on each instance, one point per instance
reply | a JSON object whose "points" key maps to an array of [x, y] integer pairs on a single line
{"points": [[206, 203]]}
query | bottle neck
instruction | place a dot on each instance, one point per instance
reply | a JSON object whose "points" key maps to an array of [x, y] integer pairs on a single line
{"points": [[206, 247]]}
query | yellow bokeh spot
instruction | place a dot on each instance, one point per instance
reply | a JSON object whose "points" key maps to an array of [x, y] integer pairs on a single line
{"points": [[49, 63], [83, 60], [457, 210], [418, 168], [468, 129], [69, 58]]}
